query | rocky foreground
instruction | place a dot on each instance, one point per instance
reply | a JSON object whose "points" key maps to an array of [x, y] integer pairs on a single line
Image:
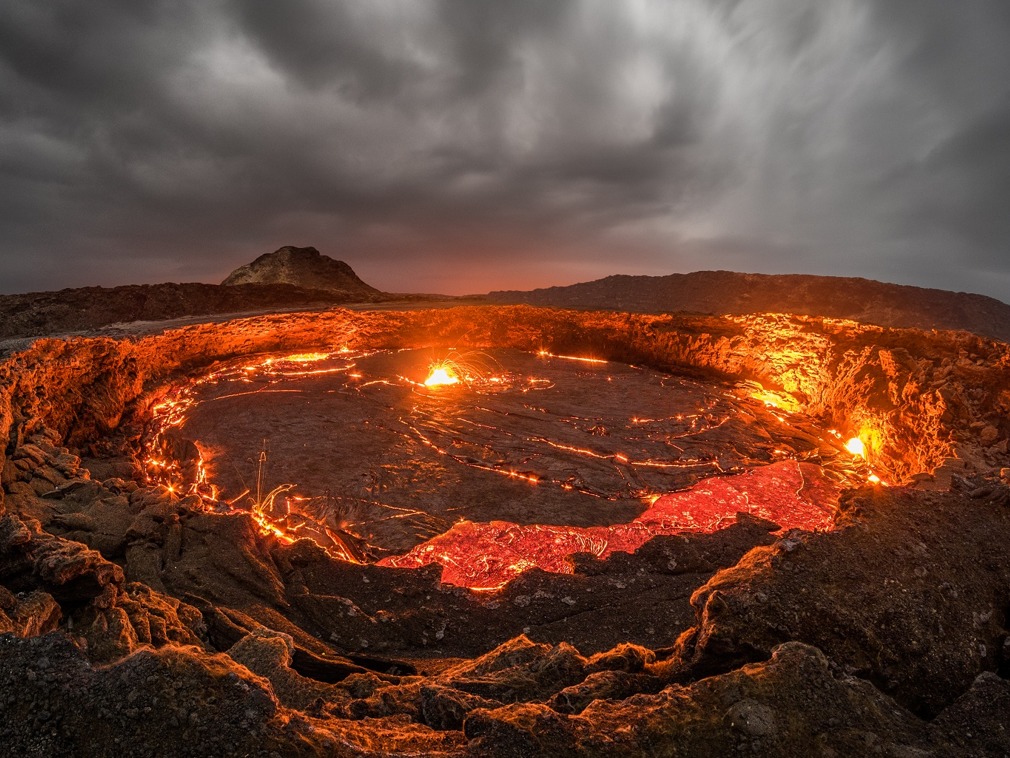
{"points": [[138, 623]]}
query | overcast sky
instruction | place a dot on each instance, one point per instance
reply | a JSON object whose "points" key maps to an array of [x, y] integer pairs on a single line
{"points": [[467, 145]]}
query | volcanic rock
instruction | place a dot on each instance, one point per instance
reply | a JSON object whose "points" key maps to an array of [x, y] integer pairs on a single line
{"points": [[156, 625], [728, 292], [151, 703], [28, 614], [302, 267], [905, 596], [89, 308], [270, 655]]}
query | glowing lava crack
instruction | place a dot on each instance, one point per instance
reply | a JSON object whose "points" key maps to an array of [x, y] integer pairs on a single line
{"points": [[487, 556]]}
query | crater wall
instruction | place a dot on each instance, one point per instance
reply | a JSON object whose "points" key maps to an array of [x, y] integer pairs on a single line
{"points": [[916, 398]]}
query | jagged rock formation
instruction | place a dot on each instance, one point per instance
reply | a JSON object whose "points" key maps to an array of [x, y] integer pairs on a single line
{"points": [[133, 622], [728, 292], [302, 267]]}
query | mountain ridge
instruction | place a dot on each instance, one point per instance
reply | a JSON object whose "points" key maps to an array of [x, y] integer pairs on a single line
{"points": [[732, 293]]}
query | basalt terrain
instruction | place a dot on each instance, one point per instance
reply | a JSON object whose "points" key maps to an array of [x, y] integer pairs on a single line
{"points": [[806, 553], [294, 278], [89, 308], [729, 292]]}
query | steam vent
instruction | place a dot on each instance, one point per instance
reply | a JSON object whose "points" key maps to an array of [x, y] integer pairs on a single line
{"points": [[504, 531]]}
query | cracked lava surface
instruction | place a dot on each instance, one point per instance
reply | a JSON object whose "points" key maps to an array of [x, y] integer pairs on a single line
{"points": [[142, 614], [518, 461]]}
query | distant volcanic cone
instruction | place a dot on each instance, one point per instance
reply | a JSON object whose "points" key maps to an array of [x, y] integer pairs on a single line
{"points": [[304, 267]]}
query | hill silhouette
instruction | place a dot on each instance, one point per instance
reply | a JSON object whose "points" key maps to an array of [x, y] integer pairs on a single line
{"points": [[727, 292]]}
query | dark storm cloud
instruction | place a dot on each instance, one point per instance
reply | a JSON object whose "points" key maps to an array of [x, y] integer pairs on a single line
{"points": [[318, 44], [962, 188], [462, 145]]}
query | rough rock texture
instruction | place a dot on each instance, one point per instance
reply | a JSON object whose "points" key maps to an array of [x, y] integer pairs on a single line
{"points": [[790, 705], [175, 701], [87, 308], [917, 398], [302, 267], [181, 701], [133, 622], [728, 292], [48, 580], [911, 595]]}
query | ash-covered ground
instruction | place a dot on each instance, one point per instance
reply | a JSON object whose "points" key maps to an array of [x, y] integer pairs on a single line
{"points": [[147, 618]]}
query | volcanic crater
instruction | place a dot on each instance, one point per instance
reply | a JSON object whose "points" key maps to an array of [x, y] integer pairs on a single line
{"points": [[599, 533], [378, 453]]}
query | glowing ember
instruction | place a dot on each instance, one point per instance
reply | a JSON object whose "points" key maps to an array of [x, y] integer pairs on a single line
{"points": [[475, 368], [487, 556], [441, 376], [856, 447]]}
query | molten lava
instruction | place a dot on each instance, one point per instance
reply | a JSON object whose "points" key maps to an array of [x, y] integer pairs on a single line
{"points": [[487, 556], [441, 375], [856, 447]]}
